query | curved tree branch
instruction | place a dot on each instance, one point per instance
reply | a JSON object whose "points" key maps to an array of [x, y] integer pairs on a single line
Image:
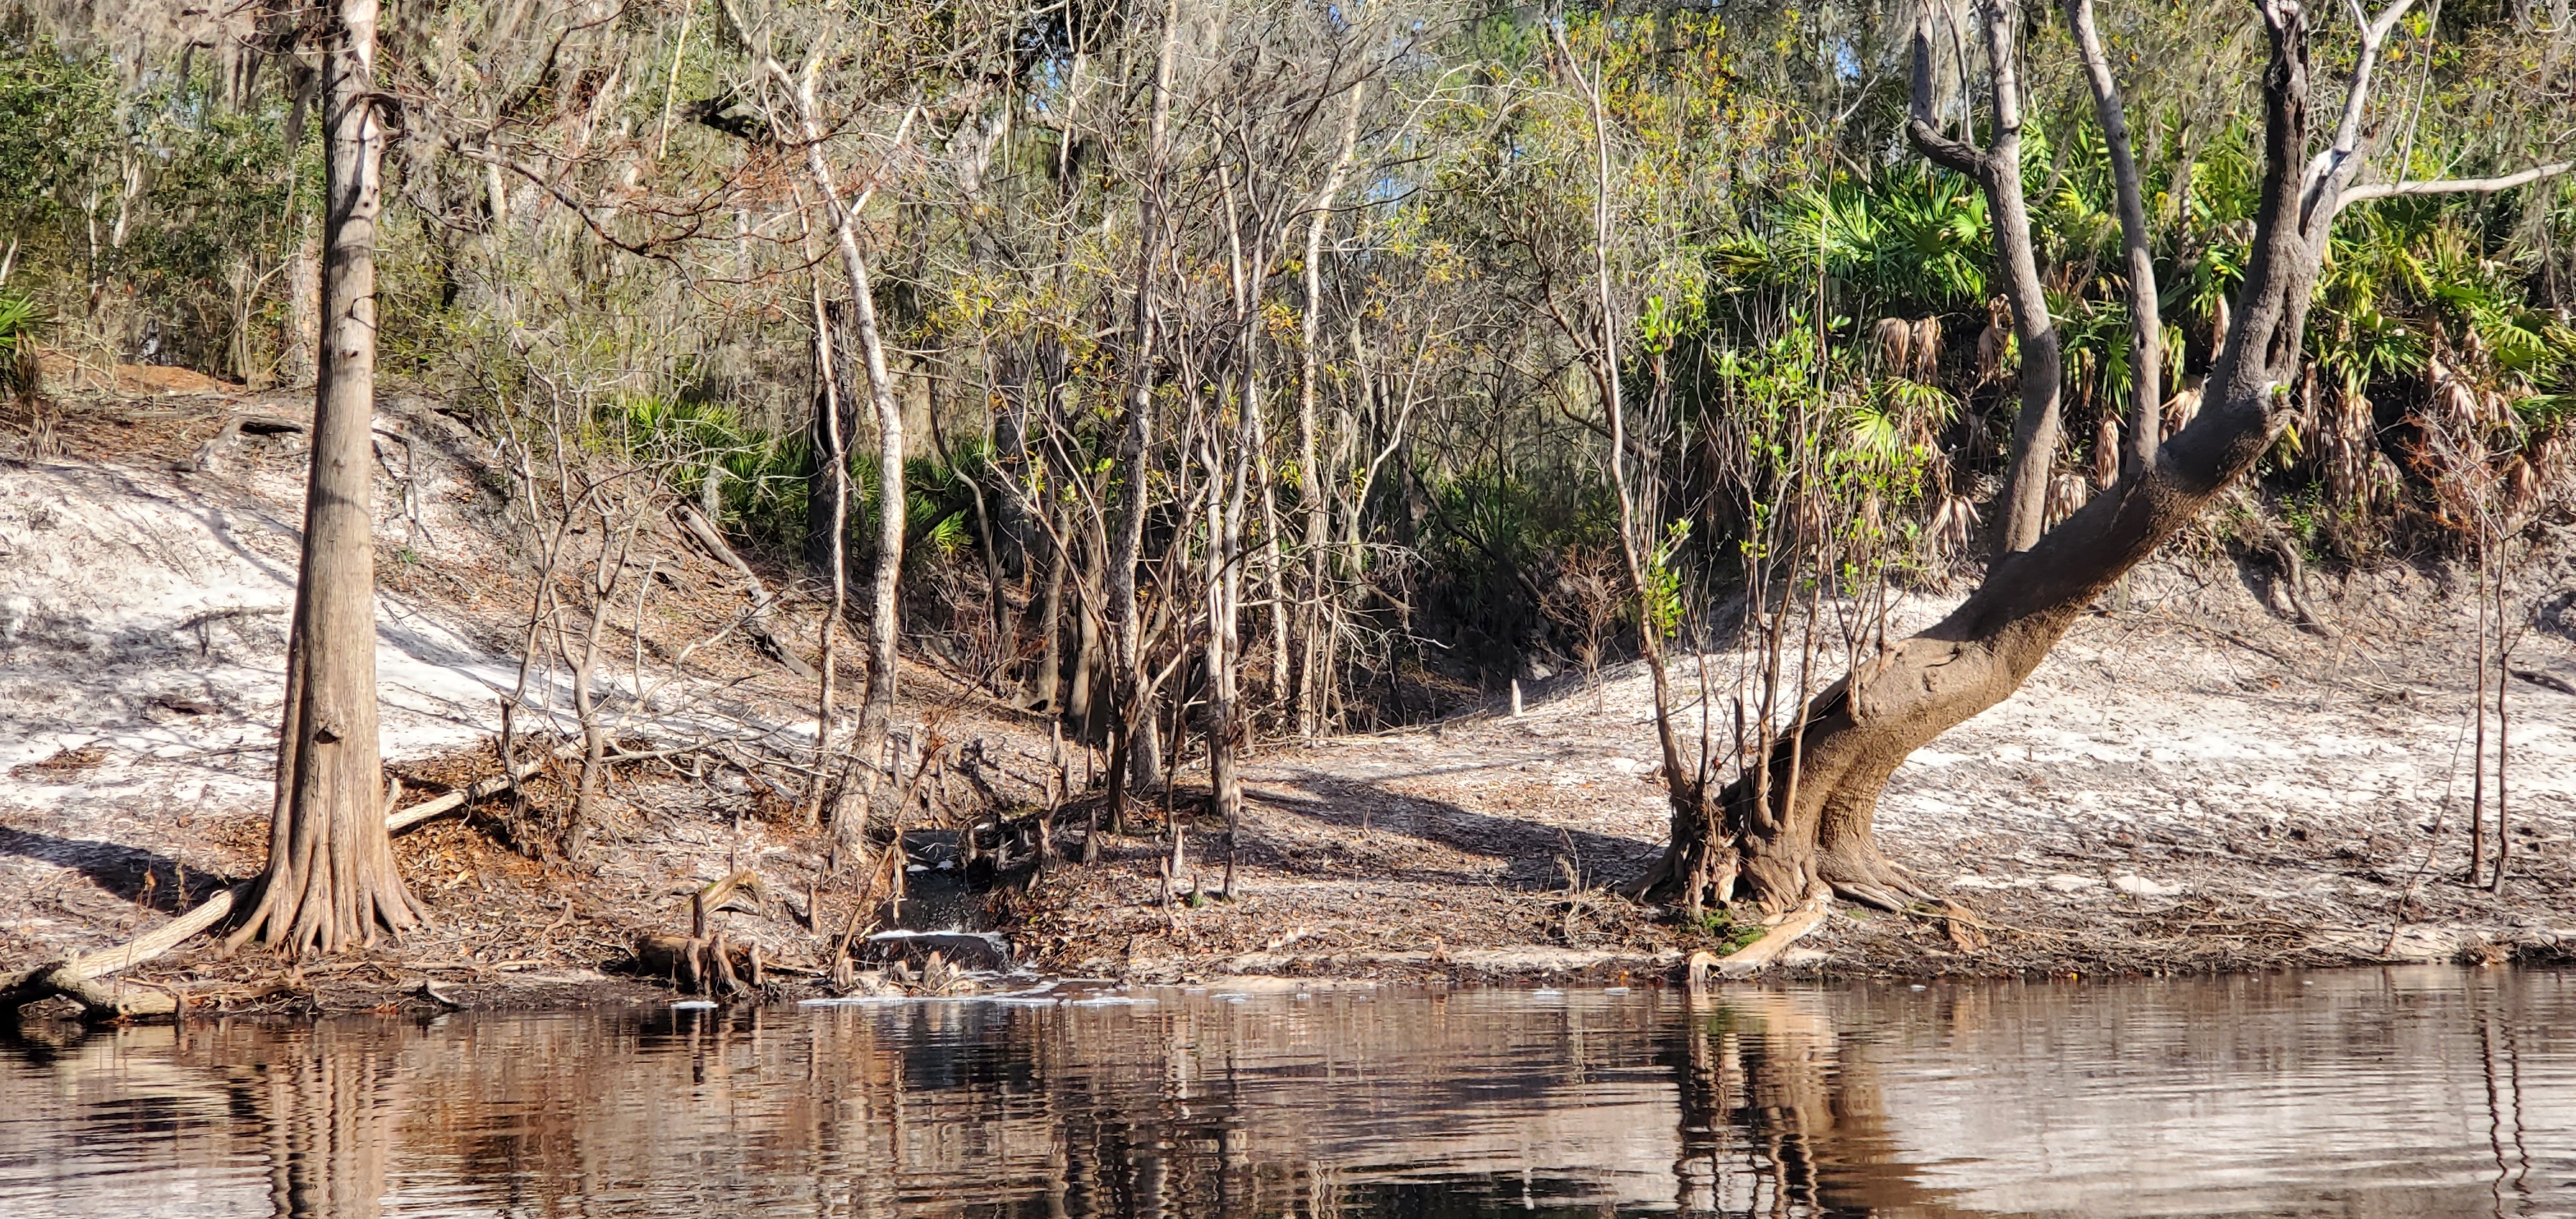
{"points": [[2374, 34], [1923, 126], [2321, 186]]}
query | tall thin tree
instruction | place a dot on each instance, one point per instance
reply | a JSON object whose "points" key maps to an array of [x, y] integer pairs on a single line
{"points": [[1135, 748]]}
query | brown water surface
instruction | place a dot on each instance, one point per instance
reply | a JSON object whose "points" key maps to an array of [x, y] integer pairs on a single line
{"points": [[2421, 1091]]}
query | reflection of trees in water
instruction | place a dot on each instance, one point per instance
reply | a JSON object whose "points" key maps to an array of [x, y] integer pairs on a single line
{"points": [[324, 1100], [1778, 1117], [1760, 1103], [2504, 1092], [1185, 1110]]}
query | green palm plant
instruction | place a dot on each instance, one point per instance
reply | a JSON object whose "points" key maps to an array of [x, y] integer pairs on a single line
{"points": [[762, 478], [19, 374], [1908, 241], [938, 500]]}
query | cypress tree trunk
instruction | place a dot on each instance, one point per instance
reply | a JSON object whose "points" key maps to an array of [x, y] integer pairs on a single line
{"points": [[330, 881]]}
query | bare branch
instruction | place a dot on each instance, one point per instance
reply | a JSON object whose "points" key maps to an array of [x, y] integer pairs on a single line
{"points": [[2374, 33], [649, 248], [2457, 186], [2003, 20], [2324, 178]]}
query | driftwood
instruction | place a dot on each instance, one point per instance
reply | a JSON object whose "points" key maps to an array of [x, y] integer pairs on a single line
{"points": [[755, 620], [76, 977], [441, 805], [700, 962], [1744, 962]]}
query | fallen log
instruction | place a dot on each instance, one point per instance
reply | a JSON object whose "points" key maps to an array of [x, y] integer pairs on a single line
{"points": [[113, 1000], [438, 806], [74, 976]]}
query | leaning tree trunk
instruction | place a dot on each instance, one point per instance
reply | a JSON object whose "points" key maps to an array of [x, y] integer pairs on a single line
{"points": [[1811, 829], [330, 881]]}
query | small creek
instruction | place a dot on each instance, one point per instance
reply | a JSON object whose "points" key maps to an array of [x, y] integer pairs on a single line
{"points": [[2416, 1091]]}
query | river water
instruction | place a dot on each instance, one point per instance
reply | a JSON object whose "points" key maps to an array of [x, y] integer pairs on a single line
{"points": [[2417, 1091]]}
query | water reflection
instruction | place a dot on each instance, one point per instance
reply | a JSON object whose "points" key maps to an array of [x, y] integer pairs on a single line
{"points": [[2413, 1092]]}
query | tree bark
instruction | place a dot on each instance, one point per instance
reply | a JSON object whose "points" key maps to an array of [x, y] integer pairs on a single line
{"points": [[296, 364], [330, 882], [1781, 847], [836, 398], [1225, 509], [1133, 740], [1312, 629], [1045, 683], [885, 607], [2146, 322], [2023, 510], [586, 712], [876, 706], [1086, 704], [832, 456]]}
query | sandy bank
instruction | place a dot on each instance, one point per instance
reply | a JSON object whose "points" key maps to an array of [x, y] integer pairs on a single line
{"points": [[2189, 783]]}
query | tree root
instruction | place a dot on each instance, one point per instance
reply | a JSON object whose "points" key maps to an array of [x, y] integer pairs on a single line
{"points": [[1869, 895], [1863, 875], [2294, 578], [701, 962]]}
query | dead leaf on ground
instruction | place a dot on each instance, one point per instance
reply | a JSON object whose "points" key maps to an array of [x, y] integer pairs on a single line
{"points": [[65, 762]]}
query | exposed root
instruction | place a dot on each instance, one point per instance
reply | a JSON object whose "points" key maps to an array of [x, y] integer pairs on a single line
{"points": [[1860, 872], [1869, 895], [1965, 932], [2293, 577], [703, 962]]}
